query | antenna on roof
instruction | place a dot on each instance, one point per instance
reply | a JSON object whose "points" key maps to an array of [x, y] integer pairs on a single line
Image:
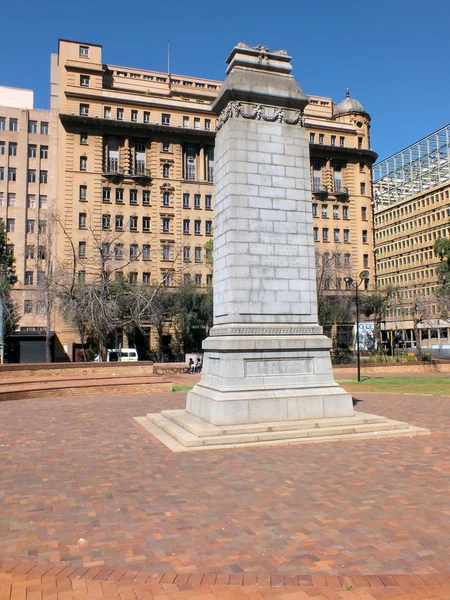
{"points": [[168, 59]]}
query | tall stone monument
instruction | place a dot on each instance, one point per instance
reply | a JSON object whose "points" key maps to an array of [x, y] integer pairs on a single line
{"points": [[267, 370]]}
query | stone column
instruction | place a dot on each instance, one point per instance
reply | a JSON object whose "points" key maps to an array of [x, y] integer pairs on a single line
{"points": [[266, 358]]}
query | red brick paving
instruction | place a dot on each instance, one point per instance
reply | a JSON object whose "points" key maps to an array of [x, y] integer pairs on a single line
{"points": [[82, 484]]}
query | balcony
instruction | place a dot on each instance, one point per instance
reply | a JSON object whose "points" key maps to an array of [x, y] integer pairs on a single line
{"points": [[318, 189], [113, 170], [339, 191], [139, 171]]}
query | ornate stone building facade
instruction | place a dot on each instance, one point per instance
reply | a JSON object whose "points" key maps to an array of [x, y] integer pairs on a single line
{"points": [[135, 167]]}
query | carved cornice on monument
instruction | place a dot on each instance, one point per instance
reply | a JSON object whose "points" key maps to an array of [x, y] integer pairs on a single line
{"points": [[259, 112], [252, 330]]}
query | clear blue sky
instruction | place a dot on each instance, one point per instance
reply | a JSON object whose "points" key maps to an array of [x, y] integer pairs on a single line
{"points": [[392, 54]]}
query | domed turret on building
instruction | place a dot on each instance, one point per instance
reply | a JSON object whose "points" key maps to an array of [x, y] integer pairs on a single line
{"points": [[348, 106]]}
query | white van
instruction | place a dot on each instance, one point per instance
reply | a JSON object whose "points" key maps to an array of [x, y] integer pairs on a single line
{"points": [[122, 355]]}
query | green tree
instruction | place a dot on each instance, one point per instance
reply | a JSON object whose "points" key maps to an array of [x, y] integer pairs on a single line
{"points": [[375, 304], [442, 250], [8, 311]]}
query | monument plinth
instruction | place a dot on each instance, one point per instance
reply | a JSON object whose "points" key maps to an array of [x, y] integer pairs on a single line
{"points": [[267, 372]]}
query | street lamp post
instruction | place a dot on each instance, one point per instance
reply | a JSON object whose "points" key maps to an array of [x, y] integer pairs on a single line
{"points": [[349, 281]]}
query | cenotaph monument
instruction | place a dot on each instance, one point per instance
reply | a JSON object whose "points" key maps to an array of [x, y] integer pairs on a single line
{"points": [[267, 375]]}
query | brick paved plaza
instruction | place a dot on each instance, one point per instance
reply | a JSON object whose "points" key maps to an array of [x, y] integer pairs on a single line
{"points": [[84, 486]]}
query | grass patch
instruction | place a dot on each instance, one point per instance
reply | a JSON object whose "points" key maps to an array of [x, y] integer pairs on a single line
{"points": [[431, 384], [182, 388]]}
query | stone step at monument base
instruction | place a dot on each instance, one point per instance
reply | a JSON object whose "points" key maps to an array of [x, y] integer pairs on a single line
{"points": [[182, 431]]}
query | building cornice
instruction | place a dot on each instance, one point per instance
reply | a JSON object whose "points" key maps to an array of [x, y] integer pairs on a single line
{"points": [[336, 152]]}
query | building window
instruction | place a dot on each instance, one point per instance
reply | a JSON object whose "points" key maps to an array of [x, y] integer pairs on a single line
{"points": [[132, 277], [337, 235], [325, 234], [185, 200], [197, 227], [186, 254], [346, 236], [12, 149], [208, 226], [84, 109], [325, 211], [198, 254], [198, 279], [321, 138], [44, 152], [81, 249], [186, 226], [42, 226], [105, 251], [165, 224], [166, 252], [84, 80], [166, 170], [347, 260], [2, 149], [42, 201], [133, 223], [316, 234], [31, 201], [82, 220], [186, 278], [165, 147], [83, 193], [119, 222], [342, 141], [146, 117], [333, 140], [106, 194], [106, 112], [146, 224], [134, 115], [11, 199], [43, 177], [209, 278], [28, 307], [197, 201], [106, 222], [185, 121], [118, 251], [13, 124], [2, 173], [360, 141], [165, 119], [365, 236], [210, 160], [44, 128], [312, 137], [166, 199], [146, 280], [119, 114], [84, 51], [119, 195], [364, 213], [134, 251], [208, 202], [146, 252], [314, 209], [345, 212], [133, 196], [30, 226], [83, 138], [32, 126], [12, 174], [196, 123], [81, 276], [208, 124], [361, 167], [363, 188], [190, 162], [146, 197], [31, 176], [365, 260], [83, 163], [28, 280]]}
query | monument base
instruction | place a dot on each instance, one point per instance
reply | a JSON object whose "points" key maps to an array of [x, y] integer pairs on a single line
{"points": [[264, 378], [181, 431]]}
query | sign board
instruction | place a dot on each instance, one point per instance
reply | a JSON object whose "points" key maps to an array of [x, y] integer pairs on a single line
{"points": [[367, 339]]}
